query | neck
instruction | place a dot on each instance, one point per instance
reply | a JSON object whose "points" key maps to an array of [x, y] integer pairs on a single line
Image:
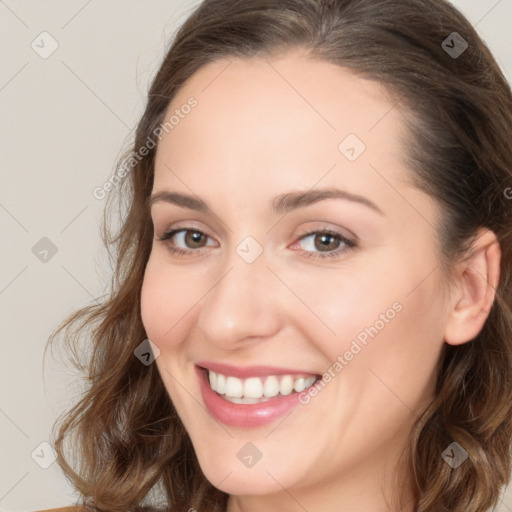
{"points": [[362, 489]]}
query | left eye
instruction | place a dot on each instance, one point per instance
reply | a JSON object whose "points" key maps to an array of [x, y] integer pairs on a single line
{"points": [[321, 241]]}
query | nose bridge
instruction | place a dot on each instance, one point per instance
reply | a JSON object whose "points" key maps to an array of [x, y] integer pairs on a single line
{"points": [[243, 302]]}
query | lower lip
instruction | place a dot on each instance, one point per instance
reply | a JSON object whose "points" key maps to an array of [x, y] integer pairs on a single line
{"points": [[244, 415]]}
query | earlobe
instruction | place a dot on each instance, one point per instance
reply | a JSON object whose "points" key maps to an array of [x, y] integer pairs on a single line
{"points": [[478, 277]]}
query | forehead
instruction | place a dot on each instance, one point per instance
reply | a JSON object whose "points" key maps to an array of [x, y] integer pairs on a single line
{"points": [[323, 96], [288, 120]]}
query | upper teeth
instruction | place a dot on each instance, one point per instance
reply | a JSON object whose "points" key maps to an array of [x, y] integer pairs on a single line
{"points": [[257, 387]]}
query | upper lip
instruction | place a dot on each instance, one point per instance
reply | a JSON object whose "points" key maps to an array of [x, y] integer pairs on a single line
{"points": [[243, 372]]}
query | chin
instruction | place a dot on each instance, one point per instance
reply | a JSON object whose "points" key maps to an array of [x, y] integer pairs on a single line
{"points": [[229, 474], [242, 482]]}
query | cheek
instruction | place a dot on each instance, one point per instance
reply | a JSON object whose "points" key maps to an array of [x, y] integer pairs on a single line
{"points": [[340, 307], [377, 320], [166, 298]]}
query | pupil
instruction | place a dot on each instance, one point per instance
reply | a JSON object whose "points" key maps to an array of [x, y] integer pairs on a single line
{"points": [[325, 240], [196, 236]]}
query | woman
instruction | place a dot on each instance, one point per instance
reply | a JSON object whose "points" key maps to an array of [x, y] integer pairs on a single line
{"points": [[317, 242]]}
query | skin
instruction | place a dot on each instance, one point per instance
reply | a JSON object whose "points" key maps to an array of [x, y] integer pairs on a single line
{"points": [[263, 127]]}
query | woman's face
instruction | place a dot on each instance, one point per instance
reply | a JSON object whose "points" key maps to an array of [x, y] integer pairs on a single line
{"points": [[263, 289]]}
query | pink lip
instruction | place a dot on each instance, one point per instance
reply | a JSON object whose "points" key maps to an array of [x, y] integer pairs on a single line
{"points": [[244, 415], [250, 371]]}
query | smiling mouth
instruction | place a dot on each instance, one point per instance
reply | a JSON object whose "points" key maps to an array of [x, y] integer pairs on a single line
{"points": [[255, 390]]}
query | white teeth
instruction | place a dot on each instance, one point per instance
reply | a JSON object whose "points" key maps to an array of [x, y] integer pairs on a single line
{"points": [[286, 386], [271, 386], [221, 383], [256, 389], [299, 385], [253, 388], [245, 400], [309, 382], [234, 387], [212, 376]]}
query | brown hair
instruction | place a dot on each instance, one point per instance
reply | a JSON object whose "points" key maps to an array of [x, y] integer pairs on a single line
{"points": [[124, 432]]}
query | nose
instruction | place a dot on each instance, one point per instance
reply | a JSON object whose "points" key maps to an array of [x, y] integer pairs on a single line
{"points": [[245, 302]]}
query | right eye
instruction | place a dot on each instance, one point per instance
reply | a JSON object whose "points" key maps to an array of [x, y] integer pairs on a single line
{"points": [[187, 236]]}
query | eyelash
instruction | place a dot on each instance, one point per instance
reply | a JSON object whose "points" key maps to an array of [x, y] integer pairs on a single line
{"points": [[349, 244]]}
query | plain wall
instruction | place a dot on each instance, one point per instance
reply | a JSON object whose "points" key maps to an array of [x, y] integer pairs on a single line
{"points": [[65, 119]]}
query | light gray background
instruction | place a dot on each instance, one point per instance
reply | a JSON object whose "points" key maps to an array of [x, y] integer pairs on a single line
{"points": [[65, 120]]}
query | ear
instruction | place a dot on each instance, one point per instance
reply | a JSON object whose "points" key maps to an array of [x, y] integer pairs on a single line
{"points": [[475, 289]]}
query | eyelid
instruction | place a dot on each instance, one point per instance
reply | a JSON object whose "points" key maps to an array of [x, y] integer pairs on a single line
{"points": [[170, 233], [316, 227]]}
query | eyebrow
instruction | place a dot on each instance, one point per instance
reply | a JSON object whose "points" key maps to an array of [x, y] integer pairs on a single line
{"points": [[281, 204]]}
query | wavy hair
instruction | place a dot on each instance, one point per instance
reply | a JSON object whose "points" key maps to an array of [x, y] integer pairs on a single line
{"points": [[123, 443]]}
